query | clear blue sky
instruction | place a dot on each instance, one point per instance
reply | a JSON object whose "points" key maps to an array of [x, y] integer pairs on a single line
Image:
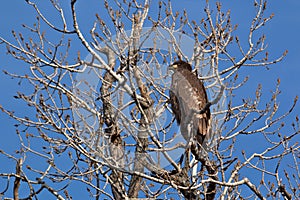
{"points": [[282, 33]]}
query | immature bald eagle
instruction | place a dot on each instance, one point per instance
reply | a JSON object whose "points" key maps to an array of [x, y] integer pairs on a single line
{"points": [[188, 97]]}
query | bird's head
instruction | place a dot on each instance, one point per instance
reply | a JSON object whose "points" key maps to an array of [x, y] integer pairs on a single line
{"points": [[180, 64]]}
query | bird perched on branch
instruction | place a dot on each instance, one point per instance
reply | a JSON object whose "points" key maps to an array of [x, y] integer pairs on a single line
{"points": [[189, 101]]}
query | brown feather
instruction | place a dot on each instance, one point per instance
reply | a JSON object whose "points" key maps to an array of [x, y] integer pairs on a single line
{"points": [[188, 96]]}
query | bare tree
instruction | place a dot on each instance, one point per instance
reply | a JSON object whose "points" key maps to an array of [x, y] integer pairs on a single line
{"points": [[102, 123]]}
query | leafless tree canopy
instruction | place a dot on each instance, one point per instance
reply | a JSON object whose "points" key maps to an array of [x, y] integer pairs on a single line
{"points": [[99, 122]]}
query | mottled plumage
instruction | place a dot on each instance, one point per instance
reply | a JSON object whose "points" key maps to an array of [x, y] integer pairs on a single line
{"points": [[188, 97]]}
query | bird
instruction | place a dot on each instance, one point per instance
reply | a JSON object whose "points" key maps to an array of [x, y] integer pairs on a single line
{"points": [[188, 99]]}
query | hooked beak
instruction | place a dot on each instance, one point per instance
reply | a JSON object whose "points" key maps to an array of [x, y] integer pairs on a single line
{"points": [[172, 67]]}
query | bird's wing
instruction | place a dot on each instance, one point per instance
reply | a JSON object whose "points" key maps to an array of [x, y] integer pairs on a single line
{"points": [[175, 106], [192, 98]]}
